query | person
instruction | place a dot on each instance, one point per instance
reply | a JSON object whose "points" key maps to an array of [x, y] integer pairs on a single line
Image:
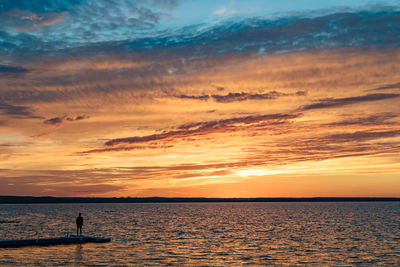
{"points": [[79, 223]]}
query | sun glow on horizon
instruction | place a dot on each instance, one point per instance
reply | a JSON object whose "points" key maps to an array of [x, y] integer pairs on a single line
{"points": [[259, 172]]}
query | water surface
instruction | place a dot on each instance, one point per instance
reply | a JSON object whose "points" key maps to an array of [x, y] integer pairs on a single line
{"points": [[208, 234]]}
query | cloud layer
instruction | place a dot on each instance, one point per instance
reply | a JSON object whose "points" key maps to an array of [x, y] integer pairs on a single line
{"points": [[117, 98]]}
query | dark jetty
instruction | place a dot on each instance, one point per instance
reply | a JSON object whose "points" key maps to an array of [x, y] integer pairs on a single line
{"points": [[52, 241]]}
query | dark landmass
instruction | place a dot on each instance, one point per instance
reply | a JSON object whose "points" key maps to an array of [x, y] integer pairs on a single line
{"points": [[29, 199]]}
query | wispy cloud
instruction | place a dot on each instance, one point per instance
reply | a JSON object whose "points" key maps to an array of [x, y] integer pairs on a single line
{"points": [[36, 22], [235, 97], [197, 129], [132, 28], [57, 121], [376, 119], [50, 182], [77, 118], [361, 136], [54, 121], [339, 102], [388, 86], [18, 111], [7, 70]]}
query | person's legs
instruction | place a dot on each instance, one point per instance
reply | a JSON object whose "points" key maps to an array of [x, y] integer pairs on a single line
{"points": [[77, 229]]}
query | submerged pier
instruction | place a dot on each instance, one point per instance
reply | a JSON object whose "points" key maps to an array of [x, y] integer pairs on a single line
{"points": [[75, 239]]}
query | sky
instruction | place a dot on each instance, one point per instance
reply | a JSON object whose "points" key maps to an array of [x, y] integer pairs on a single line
{"points": [[170, 98]]}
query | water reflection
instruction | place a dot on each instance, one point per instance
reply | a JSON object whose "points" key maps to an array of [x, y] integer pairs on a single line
{"points": [[78, 253]]}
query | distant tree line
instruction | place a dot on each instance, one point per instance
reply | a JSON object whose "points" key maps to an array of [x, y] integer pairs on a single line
{"points": [[48, 199]]}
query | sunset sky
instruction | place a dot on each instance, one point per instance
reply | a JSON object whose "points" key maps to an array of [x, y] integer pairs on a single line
{"points": [[255, 98]]}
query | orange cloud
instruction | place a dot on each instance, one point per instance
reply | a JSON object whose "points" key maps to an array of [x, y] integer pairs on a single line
{"points": [[47, 20]]}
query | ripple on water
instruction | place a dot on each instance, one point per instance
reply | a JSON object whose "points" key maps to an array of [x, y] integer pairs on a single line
{"points": [[217, 234]]}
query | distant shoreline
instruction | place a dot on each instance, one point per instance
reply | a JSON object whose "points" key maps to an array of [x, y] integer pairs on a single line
{"points": [[38, 200]]}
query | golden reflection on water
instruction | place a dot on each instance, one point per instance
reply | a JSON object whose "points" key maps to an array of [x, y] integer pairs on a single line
{"points": [[78, 253]]}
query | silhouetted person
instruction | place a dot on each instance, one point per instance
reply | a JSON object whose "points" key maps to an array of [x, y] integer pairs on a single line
{"points": [[79, 223]]}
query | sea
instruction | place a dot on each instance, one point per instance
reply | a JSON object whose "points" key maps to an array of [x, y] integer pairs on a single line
{"points": [[207, 234]]}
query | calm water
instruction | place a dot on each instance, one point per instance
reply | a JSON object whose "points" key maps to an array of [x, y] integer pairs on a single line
{"points": [[208, 234]]}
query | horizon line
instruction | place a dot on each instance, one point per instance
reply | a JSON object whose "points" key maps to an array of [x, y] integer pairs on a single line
{"points": [[51, 199]]}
